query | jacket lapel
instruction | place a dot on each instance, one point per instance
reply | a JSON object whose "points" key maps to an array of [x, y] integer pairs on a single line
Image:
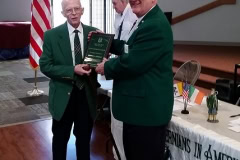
{"points": [[85, 38], [148, 15], [64, 43]]}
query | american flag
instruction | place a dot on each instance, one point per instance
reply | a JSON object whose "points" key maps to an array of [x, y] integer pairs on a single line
{"points": [[41, 22], [185, 92]]}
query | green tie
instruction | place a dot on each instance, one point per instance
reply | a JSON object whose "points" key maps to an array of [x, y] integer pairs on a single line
{"points": [[78, 59]]}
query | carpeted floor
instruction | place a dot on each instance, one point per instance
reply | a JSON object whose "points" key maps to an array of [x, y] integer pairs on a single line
{"points": [[16, 79]]}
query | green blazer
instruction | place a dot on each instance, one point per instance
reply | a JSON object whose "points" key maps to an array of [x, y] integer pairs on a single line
{"points": [[57, 64], [143, 77]]}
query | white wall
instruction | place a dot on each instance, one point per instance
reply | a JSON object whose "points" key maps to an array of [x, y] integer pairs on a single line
{"points": [[20, 10], [15, 10], [220, 25], [217, 26]]}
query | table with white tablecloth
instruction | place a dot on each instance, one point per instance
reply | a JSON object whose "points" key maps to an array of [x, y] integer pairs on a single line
{"points": [[192, 137]]}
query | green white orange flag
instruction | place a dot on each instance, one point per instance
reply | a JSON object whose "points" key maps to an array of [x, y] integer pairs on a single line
{"points": [[195, 95]]}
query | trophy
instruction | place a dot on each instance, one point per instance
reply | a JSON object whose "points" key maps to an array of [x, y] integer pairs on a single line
{"points": [[98, 48], [212, 104]]}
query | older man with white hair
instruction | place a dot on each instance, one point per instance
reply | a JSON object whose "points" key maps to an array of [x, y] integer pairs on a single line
{"points": [[72, 89]]}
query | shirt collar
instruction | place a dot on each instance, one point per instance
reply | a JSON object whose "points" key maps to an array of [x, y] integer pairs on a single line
{"points": [[126, 9], [140, 19], [122, 15], [71, 29]]}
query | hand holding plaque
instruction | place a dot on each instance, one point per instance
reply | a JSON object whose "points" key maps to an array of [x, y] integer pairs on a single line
{"points": [[98, 48]]}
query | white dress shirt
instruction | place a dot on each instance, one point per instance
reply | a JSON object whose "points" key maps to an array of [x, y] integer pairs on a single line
{"points": [[71, 37]]}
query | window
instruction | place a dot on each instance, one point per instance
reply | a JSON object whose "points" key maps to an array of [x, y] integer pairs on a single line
{"points": [[58, 18], [102, 16]]}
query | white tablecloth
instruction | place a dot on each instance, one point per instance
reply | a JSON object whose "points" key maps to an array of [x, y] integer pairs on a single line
{"points": [[191, 137]]}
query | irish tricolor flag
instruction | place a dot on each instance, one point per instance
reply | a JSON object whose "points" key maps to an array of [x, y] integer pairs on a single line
{"points": [[195, 95]]}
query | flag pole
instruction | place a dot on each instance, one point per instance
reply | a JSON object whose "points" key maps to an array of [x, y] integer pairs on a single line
{"points": [[185, 95], [35, 92]]}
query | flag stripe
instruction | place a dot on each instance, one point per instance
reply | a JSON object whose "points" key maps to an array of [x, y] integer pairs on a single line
{"points": [[41, 22], [177, 89], [194, 95], [47, 3], [39, 19], [36, 38], [36, 47], [33, 62], [185, 92], [199, 98], [191, 91], [42, 14], [37, 28], [34, 55], [180, 87], [46, 10]]}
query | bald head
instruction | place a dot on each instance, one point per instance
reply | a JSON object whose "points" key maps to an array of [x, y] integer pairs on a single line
{"points": [[66, 2], [72, 10]]}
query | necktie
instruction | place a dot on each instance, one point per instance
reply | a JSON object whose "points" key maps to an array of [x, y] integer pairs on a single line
{"points": [[78, 59], [120, 31], [77, 48], [133, 25]]}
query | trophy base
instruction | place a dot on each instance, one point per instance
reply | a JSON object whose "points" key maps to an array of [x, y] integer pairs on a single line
{"points": [[185, 112]]}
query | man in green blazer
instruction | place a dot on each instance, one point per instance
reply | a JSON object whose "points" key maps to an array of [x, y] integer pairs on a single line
{"points": [[143, 82], [72, 89]]}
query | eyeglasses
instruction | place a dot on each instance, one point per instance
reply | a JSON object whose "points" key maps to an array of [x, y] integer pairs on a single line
{"points": [[73, 10]]}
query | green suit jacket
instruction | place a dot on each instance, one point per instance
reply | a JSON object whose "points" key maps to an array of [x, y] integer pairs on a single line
{"points": [[143, 77], [57, 64]]}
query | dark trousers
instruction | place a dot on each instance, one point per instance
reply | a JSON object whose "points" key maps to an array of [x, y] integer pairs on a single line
{"points": [[77, 113], [144, 142]]}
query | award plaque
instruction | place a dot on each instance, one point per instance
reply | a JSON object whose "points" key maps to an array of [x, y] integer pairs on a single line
{"points": [[98, 48]]}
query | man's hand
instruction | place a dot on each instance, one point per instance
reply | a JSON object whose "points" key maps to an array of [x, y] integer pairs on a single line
{"points": [[100, 67], [79, 69], [90, 33]]}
